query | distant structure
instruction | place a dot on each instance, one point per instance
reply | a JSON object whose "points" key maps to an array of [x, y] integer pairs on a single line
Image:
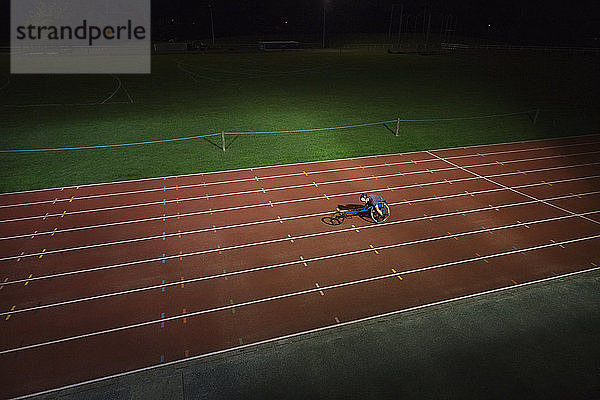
{"points": [[279, 45]]}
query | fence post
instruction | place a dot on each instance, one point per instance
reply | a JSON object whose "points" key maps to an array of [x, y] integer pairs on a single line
{"points": [[397, 126], [535, 117], [223, 139]]}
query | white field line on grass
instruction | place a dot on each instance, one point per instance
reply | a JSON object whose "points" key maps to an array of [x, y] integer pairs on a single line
{"points": [[287, 263], [285, 239], [273, 203], [128, 94], [281, 219], [516, 191], [294, 294], [114, 92], [257, 179], [96, 103], [311, 331], [321, 162]]}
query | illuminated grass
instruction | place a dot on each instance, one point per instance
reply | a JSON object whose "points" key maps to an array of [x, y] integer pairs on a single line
{"points": [[196, 94]]}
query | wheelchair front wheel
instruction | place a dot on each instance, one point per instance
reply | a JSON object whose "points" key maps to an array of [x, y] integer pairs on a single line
{"points": [[385, 213]]}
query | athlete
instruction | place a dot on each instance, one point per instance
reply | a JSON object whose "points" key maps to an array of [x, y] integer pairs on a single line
{"points": [[373, 200]]}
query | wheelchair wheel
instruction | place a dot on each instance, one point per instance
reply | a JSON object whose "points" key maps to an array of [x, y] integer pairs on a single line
{"points": [[385, 209], [338, 218]]}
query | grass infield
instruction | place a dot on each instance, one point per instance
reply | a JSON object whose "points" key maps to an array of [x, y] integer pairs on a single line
{"points": [[188, 95]]}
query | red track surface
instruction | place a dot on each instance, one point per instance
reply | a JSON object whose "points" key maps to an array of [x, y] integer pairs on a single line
{"points": [[103, 279]]}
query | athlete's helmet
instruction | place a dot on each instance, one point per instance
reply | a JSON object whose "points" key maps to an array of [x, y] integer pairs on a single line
{"points": [[363, 197]]}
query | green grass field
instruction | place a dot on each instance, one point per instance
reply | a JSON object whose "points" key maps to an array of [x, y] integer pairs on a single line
{"points": [[189, 95]]}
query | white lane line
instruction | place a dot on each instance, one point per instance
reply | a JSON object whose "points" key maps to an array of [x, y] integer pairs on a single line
{"points": [[271, 204], [302, 260], [279, 219], [199, 185], [155, 237], [308, 332], [317, 162], [293, 294], [516, 191], [75, 229]]}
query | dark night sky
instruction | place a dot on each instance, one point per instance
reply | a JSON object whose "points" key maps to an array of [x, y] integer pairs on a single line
{"points": [[515, 21]]}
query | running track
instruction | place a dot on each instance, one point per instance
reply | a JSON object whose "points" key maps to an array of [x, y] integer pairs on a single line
{"points": [[101, 280]]}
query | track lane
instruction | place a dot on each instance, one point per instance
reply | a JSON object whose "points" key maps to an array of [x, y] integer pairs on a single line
{"points": [[407, 211], [219, 324], [430, 249], [152, 222]]}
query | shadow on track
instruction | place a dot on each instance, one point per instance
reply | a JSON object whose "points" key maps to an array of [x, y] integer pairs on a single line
{"points": [[340, 216]]}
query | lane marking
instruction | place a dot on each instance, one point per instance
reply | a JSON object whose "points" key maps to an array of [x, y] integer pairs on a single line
{"points": [[10, 313], [232, 226], [289, 295], [303, 262], [320, 291], [120, 265], [518, 192], [297, 186], [309, 332]]}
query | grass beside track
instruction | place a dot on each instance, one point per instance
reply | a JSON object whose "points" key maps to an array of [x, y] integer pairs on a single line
{"points": [[188, 95]]}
